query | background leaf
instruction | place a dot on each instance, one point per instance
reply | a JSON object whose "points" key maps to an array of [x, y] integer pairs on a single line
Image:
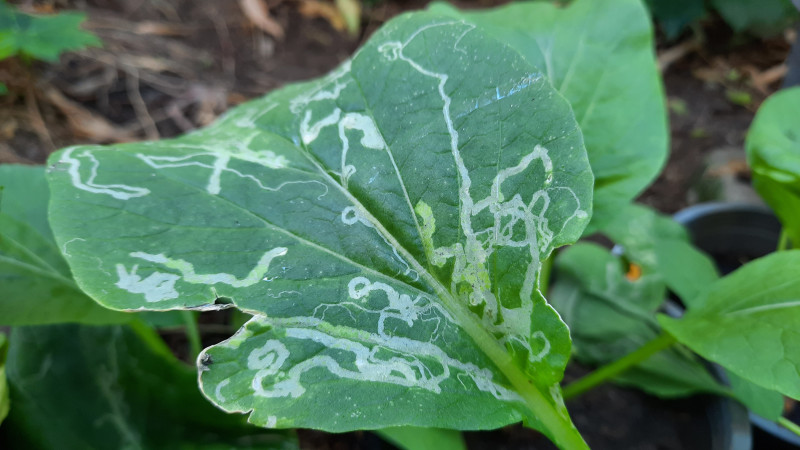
{"points": [[36, 282], [610, 316], [599, 55], [416, 438], [773, 151], [661, 246], [759, 16], [385, 225], [107, 387], [673, 16], [42, 37], [618, 317], [748, 322], [25, 195]]}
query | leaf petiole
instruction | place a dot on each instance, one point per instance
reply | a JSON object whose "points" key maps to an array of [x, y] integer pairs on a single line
{"points": [[789, 425], [562, 430], [783, 243], [604, 373]]}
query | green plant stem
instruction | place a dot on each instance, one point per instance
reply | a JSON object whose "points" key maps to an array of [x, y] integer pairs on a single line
{"points": [[789, 425], [192, 333], [544, 275], [605, 373], [783, 243]]}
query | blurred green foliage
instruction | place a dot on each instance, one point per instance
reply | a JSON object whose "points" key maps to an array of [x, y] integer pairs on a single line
{"points": [[42, 37], [760, 17]]}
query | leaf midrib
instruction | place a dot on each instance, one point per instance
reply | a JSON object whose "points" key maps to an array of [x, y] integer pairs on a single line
{"points": [[789, 303], [738, 306]]}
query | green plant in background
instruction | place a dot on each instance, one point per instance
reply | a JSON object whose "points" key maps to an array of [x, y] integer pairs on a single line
{"points": [[673, 16], [94, 387], [763, 17], [773, 151], [745, 322], [758, 16], [42, 37], [78, 386], [612, 313], [122, 376], [37, 285]]}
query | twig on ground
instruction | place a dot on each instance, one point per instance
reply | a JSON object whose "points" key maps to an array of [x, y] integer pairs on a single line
{"points": [[761, 79], [85, 123], [139, 106], [37, 121], [228, 49], [174, 112], [673, 54], [258, 13]]}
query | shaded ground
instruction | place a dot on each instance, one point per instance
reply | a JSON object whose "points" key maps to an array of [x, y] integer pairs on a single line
{"points": [[703, 89], [168, 67], [165, 68]]}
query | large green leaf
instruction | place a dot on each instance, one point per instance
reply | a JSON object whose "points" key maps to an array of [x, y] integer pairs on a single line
{"points": [[384, 224], [4, 399], [599, 55], [79, 387], [749, 323], [773, 151], [35, 280], [610, 316]]}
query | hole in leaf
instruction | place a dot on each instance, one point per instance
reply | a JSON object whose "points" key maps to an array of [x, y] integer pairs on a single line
{"points": [[223, 301]]}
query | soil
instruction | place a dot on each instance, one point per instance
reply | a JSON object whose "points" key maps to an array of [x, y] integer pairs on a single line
{"points": [[702, 116], [170, 66]]}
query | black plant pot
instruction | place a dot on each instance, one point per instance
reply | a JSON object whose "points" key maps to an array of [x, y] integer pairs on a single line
{"points": [[730, 426], [733, 234], [728, 420]]}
